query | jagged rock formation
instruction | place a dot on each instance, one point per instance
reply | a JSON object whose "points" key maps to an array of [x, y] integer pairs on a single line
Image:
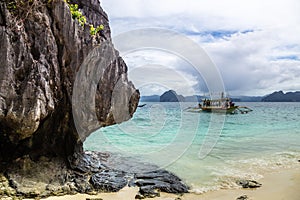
{"points": [[40, 56], [171, 96], [42, 52], [89, 172]]}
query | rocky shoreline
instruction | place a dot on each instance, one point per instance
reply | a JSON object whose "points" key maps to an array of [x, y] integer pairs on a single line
{"points": [[90, 173]]}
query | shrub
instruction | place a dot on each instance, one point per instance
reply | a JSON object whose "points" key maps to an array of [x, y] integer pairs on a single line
{"points": [[76, 14], [94, 31]]}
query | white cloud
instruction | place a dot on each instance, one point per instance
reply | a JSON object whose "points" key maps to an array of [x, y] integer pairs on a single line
{"points": [[229, 14], [254, 43], [155, 71], [249, 63]]}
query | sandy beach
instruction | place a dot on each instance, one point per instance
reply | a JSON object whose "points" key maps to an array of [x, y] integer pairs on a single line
{"points": [[279, 185]]}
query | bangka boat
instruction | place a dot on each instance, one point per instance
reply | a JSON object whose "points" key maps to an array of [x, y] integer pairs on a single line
{"points": [[229, 110], [222, 105]]}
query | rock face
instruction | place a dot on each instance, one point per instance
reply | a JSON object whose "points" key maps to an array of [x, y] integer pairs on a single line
{"points": [[41, 52], [44, 55]]}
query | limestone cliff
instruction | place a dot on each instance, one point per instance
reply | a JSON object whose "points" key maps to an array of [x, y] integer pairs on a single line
{"points": [[56, 80], [42, 49]]}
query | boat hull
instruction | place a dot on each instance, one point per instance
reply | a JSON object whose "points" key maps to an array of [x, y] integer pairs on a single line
{"points": [[230, 110], [194, 110]]}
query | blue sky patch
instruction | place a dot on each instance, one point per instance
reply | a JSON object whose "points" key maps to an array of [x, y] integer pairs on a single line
{"points": [[288, 57]]}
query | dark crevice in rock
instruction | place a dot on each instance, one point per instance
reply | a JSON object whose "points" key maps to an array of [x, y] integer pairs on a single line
{"points": [[2, 16], [62, 145], [35, 53]]}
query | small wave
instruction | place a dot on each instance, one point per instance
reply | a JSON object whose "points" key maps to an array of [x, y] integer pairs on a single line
{"points": [[221, 183], [226, 176], [271, 162], [202, 190]]}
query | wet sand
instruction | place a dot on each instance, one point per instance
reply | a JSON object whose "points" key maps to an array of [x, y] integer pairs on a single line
{"points": [[280, 185]]}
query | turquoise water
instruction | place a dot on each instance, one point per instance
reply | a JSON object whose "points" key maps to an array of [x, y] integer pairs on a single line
{"points": [[208, 151]]}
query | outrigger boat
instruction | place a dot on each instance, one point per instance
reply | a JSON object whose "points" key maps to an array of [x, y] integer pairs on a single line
{"points": [[222, 105]]}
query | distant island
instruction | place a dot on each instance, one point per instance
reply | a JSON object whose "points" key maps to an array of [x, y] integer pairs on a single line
{"points": [[172, 96], [282, 97]]}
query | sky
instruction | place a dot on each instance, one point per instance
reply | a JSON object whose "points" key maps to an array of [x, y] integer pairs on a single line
{"points": [[254, 44]]}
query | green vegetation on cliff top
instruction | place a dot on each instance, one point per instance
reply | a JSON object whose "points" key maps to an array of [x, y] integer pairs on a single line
{"points": [[22, 9]]}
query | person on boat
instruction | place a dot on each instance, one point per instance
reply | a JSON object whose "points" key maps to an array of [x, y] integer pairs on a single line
{"points": [[204, 103], [227, 105], [208, 102], [231, 104], [199, 105]]}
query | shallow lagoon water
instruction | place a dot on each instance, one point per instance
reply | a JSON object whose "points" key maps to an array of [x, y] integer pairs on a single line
{"points": [[238, 146]]}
